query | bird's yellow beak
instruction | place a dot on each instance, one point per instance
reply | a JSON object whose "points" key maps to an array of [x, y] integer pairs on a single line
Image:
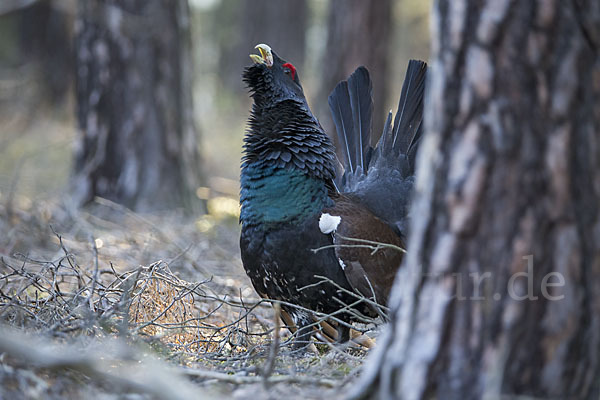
{"points": [[265, 57]]}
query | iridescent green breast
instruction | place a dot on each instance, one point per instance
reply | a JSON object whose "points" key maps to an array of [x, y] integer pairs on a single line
{"points": [[273, 195]]}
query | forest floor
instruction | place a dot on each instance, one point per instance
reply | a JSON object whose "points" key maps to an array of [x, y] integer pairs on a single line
{"points": [[106, 302]]}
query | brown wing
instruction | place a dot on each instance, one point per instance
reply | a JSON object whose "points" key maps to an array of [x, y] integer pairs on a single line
{"points": [[370, 272]]}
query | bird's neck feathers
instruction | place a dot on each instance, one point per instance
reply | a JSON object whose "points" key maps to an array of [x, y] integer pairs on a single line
{"points": [[288, 165], [285, 135]]}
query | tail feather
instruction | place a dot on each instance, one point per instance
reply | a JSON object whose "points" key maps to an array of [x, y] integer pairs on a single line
{"points": [[360, 88], [351, 105], [339, 103], [385, 141], [408, 121]]}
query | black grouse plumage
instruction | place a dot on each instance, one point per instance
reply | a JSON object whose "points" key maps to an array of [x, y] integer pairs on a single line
{"points": [[382, 178], [294, 208]]}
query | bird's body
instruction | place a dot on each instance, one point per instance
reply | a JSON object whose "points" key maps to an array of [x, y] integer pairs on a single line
{"points": [[293, 216]]}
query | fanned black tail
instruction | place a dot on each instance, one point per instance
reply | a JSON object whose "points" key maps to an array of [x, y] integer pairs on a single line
{"points": [[381, 178]]}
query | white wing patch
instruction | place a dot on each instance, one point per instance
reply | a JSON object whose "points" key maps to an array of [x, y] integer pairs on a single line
{"points": [[342, 264], [329, 223]]}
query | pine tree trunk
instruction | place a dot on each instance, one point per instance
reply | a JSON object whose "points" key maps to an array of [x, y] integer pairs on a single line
{"points": [[500, 292], [46, 40], [244, 24], [137, 137], [358, 34]]}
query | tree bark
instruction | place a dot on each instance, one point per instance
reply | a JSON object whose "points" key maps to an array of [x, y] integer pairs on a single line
{"points": [[358, 33], [137, 142], [508, 200]]}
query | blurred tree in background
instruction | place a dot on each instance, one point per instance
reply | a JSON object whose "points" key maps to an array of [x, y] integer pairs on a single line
{"points": [[36, 35], [281, 24], [45, 40], [358, 33], [125, 69], [138, 142]]}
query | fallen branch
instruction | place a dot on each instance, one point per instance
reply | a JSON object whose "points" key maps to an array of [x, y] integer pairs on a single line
{"points": [[151, 377], [239, 379]]}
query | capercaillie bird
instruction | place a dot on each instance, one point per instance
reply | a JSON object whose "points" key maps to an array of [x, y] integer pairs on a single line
{"points": [[297, 211]]}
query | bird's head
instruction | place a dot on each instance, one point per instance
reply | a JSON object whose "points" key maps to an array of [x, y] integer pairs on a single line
{"points": [[282, 131], [271, 78]]}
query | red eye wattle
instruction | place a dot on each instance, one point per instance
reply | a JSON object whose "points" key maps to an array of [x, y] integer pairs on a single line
{"points": [[291, 68]]}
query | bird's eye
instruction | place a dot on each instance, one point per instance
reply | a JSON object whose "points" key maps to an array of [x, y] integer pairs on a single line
{"points": [[290, 69]]}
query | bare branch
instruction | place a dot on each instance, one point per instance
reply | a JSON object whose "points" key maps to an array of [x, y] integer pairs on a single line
{"points": [[362, 243]]}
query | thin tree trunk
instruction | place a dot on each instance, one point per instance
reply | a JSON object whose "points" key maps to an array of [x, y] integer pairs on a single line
{"points": [[358, 34], [500, 291], [281, 24], [138, 142], [46, 39]]}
